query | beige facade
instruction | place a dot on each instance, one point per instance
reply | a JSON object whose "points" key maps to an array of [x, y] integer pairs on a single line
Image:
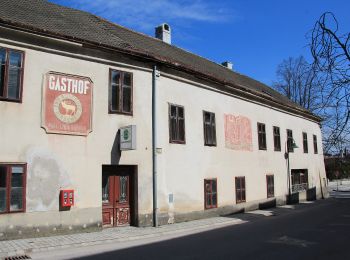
{"points": [[62, 161]]}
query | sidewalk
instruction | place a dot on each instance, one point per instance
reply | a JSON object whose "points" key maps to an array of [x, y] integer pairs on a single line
{"points": [[339, 185], [110, 239], [31, 246]]}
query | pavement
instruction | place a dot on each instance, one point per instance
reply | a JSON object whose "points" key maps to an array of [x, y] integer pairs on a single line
{"points": [[84, 244], [38, 248], [339, 189]]}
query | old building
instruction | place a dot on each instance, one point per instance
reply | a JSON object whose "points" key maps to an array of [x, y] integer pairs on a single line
{"points": [[104, 126]]}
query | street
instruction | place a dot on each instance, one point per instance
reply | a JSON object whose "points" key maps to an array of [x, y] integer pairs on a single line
{"points": [[317, 230]]}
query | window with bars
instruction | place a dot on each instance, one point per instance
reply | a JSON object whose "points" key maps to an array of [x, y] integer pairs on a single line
{"points": [[12, 188], [240, 189], [305, 145], [315, 144], [290, 141], [276, 138], [11, 74], [270, 186], [261, 136], [210, 194], [209, 128], [120, 93], [176, 124]]}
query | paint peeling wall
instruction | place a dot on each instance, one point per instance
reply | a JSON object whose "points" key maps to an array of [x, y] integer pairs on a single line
{"points": [[57, 161]]}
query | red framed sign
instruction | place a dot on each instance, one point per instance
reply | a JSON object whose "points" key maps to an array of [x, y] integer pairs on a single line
{"points": [[67, 104]]}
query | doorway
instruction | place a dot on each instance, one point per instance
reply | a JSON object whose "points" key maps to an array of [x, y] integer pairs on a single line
{"points": [[118, 195]]}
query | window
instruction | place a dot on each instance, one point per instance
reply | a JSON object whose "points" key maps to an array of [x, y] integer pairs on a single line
{"points": [[261, 136], [290, 141], [120, 93], [11, 74], [305, 147], [210, 194], [209, 128], [315, 144], [12, 188], [240, 189], [176, 124], [277, 138], [270, 186], [300, 180]]}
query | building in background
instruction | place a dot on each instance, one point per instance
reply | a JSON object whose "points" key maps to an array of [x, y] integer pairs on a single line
{"points": [[103, 126]]}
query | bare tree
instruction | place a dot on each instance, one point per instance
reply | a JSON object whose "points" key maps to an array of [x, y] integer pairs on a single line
{"points": [[331, 52], [297, 80]]}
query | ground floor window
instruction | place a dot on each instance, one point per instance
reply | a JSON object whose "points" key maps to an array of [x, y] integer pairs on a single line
{"points": [[12, 188], [270, 186], [240, 189], [299, 180], [210, 193]]}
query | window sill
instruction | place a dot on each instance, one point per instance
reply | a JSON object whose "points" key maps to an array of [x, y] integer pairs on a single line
{"points": [[10, 100], [12, 212], [213, 207], [120, 113], [177, 142]]}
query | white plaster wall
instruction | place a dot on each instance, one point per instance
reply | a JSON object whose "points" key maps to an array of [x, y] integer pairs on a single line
{"points": [[183, 167], [65, 161]]}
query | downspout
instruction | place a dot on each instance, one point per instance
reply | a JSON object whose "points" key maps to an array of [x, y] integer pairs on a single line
{"points": [[154, 145]]}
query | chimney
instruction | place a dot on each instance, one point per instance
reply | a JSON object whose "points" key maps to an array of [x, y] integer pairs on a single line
{"points": [[163, 33], [227, 64]]}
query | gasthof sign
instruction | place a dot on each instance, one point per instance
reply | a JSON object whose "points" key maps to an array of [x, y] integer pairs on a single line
{"points": [[128, 138], [67, 104]]}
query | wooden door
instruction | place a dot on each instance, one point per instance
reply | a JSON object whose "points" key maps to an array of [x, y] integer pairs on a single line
{"points": [[122, 200], [116, 198]]}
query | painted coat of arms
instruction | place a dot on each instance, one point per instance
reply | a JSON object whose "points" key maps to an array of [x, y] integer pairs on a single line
{"points": [[238, 133]]}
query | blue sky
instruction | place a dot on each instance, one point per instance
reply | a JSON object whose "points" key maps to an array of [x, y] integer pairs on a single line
{"points": [[255, 35]]}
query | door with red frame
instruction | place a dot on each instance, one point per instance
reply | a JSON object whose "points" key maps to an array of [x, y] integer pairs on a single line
{"points": [[116, 198]]}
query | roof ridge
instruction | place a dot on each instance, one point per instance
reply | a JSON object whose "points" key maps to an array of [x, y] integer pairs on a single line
{"points": [[158, 40]]}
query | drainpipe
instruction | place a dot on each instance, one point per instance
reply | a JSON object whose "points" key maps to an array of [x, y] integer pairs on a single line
{"points": [[154, 145]]}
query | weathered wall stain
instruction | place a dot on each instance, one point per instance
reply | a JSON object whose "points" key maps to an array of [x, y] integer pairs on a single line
{"points": [[45, 177], [238, 133]]}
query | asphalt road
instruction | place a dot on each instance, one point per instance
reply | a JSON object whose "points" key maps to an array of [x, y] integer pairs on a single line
{"points": [[319, 230]]}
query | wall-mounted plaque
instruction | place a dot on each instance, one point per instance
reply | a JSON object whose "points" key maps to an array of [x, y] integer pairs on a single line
{"points": [[67, 104]]}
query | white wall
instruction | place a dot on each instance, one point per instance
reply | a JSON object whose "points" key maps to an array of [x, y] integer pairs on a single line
{"points": [[64, 161], [183, 167]]}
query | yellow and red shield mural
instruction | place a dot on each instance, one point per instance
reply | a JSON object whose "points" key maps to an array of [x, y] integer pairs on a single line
{"points": [[67, 104]]}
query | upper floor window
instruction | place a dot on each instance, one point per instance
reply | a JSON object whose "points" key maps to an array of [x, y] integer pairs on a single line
{"points": [[277, 138], [209, 128], [210, 194], [11, 74], [12, 188], [315, 144], [261, 136], [290, 141], [176, 124], [120, 92], [305, 146]]}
